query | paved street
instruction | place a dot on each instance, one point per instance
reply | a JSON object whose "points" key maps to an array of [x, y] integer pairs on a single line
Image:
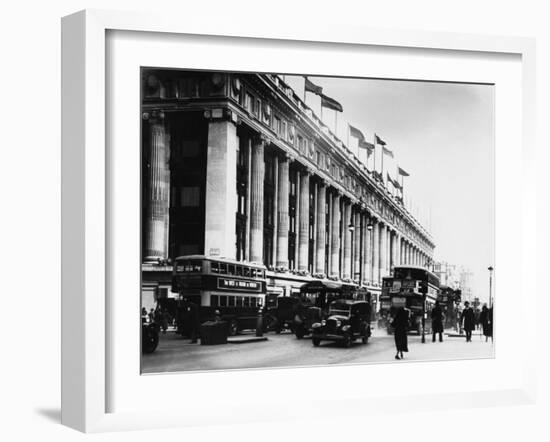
{"points": [[284, 350]]}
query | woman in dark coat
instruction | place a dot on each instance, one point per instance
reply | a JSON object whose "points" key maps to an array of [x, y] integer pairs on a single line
{"points": [[437, 322], [486, 321], [400, 325]]}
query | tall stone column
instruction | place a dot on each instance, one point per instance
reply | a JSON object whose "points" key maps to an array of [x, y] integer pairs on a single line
{"points": [[248, 187], [390, 250], [158, 192], [303, 228], [383, 250], [275, 209], [367, 252], [335, 236], [221, 198], [257, 201], [376, 252], [357, 238], [320, 228], [391, 254], [397, 249], [282, 213], [347, 240], [329, 231]]}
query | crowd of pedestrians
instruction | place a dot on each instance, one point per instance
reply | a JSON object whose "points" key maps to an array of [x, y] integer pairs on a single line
{"points": [[467, 321]]}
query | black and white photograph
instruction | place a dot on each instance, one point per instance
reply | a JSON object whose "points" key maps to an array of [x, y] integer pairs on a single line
{"points": [[308, 220]]}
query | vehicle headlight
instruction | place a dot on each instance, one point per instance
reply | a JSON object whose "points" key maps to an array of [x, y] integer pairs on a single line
{"points": [[345, 327], [338, 323], [323, 322]]}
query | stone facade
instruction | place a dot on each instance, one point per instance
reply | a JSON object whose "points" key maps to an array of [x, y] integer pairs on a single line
{"points": [[236, 165]]}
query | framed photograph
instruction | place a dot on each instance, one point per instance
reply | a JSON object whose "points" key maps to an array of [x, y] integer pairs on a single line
{"points": [[281, 209]]}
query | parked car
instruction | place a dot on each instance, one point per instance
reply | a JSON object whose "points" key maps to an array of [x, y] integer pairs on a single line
{"points": [[347, 321]]}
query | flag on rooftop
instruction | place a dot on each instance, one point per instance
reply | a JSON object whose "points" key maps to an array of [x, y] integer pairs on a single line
{"points": [[379, 140], [356, 133], [402, 172], [312, 87], [366, 145], [331, 103], [387, 151]]}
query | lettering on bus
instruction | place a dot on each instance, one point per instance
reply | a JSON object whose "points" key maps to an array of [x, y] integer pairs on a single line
{"points": [[237, 284]]}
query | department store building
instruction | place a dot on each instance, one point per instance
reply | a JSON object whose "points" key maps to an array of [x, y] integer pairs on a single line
{"points": [[237, 166]]}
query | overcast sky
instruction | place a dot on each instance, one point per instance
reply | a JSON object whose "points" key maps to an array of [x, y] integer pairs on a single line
{"points": [[443, 135]]}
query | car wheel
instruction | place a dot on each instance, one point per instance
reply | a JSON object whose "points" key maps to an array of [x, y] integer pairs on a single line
{"points": [[347, 341], [316, 342], [365, 339], [233, 329], [300, 332], [150, 342]]}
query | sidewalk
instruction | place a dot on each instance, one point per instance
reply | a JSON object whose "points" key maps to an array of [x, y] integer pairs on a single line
{"points": [[452, 333]]}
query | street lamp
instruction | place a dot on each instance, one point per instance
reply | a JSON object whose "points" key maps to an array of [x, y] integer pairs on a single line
{"points": [[490, 286]]}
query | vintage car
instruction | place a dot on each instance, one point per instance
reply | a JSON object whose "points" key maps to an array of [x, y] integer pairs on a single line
{"points": [[292, 313], [282, 316], [306, 315], [347, 321]]}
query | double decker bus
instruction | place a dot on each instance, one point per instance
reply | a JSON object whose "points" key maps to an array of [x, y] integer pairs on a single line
{"points": [[403, 289], [221, 288]]}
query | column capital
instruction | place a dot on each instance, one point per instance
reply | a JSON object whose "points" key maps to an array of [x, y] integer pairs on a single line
{"points": [[153, 116], [320, 181], [221, 114], [260, 139]]}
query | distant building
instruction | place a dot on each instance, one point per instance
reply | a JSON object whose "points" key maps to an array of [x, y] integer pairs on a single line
{"points": [[448, 274], [466, 281]]}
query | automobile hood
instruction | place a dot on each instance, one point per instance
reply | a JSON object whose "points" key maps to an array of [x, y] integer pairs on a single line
{"points": [[339, 318]]}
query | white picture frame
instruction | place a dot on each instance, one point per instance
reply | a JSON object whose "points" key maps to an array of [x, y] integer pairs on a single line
{"points": [[86, 356]]}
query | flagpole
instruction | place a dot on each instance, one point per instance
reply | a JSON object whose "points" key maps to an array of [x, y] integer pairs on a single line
{"points": [[348, 137], [383, 178], [336, 123], [374, 155]]}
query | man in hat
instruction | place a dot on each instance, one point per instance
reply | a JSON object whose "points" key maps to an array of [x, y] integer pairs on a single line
{"points": [[469, 319]]}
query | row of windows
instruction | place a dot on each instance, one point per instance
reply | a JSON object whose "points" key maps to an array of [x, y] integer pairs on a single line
{"points": [[235, 301], [223, 268]]}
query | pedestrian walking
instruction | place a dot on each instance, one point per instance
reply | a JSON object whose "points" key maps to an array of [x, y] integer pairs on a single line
{"points": [[165, 318], [188, 319], [400, 326], [486, 321], [437, 322], [467, 318]]}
